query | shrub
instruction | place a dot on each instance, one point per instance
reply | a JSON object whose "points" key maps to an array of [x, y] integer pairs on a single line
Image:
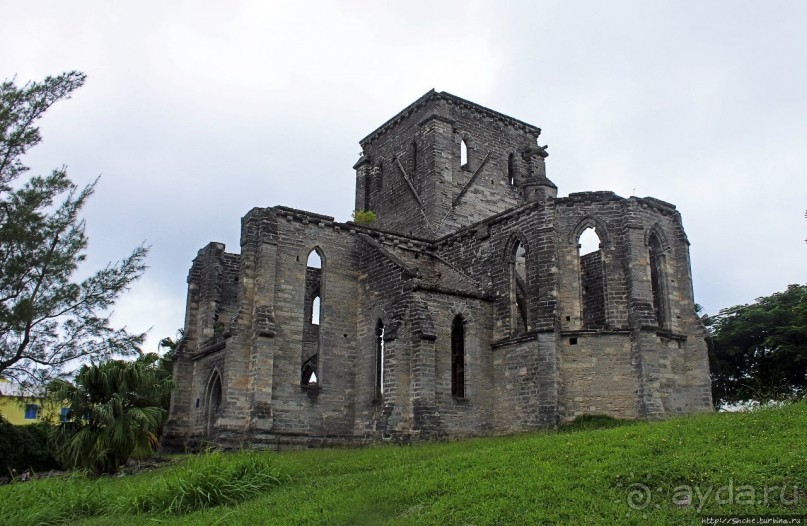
{"points": [[363, 217], [115, 413], [25, 447]]}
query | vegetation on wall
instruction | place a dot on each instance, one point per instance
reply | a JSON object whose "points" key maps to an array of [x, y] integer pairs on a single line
{"points": [[364, 217]]}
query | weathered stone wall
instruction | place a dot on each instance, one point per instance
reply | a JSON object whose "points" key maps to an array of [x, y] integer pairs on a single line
{"points": [[525, 378], [471, 414], [613, 332], [597, 376], [423, 142], [384, 294]]}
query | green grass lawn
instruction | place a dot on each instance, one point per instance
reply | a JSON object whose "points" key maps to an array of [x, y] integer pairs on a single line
{"points": [[669, 472]]}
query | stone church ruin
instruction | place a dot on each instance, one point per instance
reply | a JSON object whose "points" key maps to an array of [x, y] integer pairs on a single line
{"points": [[465, 308]]}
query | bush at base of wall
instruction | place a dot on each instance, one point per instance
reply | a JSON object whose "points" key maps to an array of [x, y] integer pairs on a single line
{"points": [[25, 447]]}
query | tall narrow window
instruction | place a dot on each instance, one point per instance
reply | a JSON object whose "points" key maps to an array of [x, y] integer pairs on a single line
{"points": [[519, 312], [458, 357], [657, 279], [592, 289], [315, 305], [213, 398], [379, 359], [312, 321], [511, 169], [463, 153]]}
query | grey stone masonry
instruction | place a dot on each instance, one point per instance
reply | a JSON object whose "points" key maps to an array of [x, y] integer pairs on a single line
{"points": [[465, 309]]}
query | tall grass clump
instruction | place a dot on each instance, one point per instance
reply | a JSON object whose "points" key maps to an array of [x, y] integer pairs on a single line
{"points": [[207, 480], [57, 500]]}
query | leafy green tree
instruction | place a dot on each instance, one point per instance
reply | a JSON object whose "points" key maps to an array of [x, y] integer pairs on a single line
{"points": [[115, 413], [47, 318], [759, 351]]}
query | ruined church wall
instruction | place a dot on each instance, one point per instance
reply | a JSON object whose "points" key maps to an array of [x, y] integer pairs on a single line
{"points": [[381, 187], [472, 413], [604, 211], [384, 293], [524, 366], [525, 381], [426, 142], [490, 141], [211, 302], [675, 369], [597, 376], [326, 408], [485, 251]]}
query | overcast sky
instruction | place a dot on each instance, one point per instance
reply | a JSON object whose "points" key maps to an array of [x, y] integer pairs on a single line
{"points": [[195, 112]]}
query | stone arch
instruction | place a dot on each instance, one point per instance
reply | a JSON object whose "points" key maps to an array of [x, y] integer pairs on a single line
{"points": [[461, 309], [519, 238], [591, 274], [659, 233], [213, 397], [317, 250], [590, 222]]}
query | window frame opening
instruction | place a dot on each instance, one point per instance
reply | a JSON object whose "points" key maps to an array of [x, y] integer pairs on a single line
{"points": [[592, 282], [511, 169], [31, 411], [215, 394], [308, 372], [313, 319], [458, 357], [314, 259], [379, 359], [519, 306], [463, 154], [316, 310]]}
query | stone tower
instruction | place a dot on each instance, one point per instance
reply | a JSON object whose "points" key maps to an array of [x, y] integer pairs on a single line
{"points": [[422, 171], [466, 309]]}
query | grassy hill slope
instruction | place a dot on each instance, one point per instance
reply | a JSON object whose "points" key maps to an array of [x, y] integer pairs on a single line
{"points": [[669, 472]]}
